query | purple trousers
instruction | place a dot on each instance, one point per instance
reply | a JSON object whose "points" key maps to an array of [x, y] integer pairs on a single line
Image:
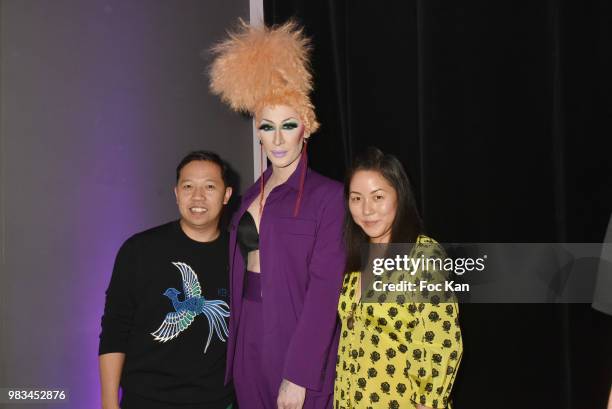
{"points": [[256, 383]]}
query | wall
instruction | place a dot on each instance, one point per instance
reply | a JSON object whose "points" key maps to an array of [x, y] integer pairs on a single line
{"points": [[99, 102]]}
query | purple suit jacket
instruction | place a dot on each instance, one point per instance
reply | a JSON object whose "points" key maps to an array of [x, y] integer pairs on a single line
{"points": [[302, 262]]}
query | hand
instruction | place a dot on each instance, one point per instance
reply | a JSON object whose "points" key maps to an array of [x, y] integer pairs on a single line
{"points": [[290, 395]]}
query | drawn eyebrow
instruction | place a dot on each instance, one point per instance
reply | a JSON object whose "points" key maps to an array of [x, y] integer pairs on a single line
{"points": [[290, 119], [284, 120]]}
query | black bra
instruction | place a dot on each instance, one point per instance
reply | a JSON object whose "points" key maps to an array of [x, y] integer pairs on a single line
{"points": [[248, 237]]}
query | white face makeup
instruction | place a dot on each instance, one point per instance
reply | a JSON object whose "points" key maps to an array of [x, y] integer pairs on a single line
{"points": [[373, 204], [281, 132]]}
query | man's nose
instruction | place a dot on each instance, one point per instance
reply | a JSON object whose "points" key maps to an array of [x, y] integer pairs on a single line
{"points": [[199, 192]]}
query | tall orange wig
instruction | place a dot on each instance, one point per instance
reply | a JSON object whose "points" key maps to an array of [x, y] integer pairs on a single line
{"points": [[262, 66]]}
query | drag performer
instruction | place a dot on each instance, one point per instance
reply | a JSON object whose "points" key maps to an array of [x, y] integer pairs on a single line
{"points": [[286, 252]]}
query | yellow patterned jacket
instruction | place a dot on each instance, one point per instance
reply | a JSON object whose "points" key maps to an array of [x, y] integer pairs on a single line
{"points": [[397, 353]]}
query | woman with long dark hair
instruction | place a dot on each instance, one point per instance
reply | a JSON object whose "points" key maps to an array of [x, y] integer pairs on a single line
{"points": [[399, 351]]}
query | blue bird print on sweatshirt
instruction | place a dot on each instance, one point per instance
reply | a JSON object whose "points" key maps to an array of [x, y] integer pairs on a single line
{"points": [[193, 305]]}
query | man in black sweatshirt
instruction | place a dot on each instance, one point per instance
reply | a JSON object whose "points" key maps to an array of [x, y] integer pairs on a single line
{"points": [[165, 320]]}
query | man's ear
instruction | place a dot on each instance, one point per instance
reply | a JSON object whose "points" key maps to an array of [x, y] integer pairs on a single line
{"points": [[228, 194], [176, 194]]}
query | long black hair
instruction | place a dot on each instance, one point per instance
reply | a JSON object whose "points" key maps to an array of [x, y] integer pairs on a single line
{"points": [[407, 224]]}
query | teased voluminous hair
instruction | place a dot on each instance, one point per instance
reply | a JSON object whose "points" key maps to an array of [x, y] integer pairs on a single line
{"points": [[265, 66]]}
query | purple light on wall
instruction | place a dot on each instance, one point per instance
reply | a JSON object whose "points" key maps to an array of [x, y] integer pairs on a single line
{"points": [[118, 192], [99, 101]]}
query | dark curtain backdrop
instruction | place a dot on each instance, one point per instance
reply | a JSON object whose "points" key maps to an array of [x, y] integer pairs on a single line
{"points": [[501, 113]]}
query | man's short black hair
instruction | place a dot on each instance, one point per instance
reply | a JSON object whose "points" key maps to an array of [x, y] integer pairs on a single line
{"points": [[207, 156]]}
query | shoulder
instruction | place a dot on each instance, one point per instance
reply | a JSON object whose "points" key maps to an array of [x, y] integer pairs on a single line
{"points": [[325, 197], [350, 278], [429, 245], [423, 239], [163, 230], [150, 236], [322, 186]]}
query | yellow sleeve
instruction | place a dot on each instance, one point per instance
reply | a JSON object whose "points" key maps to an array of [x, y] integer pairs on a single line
{"points": [[436, 353], [437, 345]]}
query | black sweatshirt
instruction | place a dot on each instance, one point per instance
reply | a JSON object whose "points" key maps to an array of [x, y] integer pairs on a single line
{"points": [[163, 326]]}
